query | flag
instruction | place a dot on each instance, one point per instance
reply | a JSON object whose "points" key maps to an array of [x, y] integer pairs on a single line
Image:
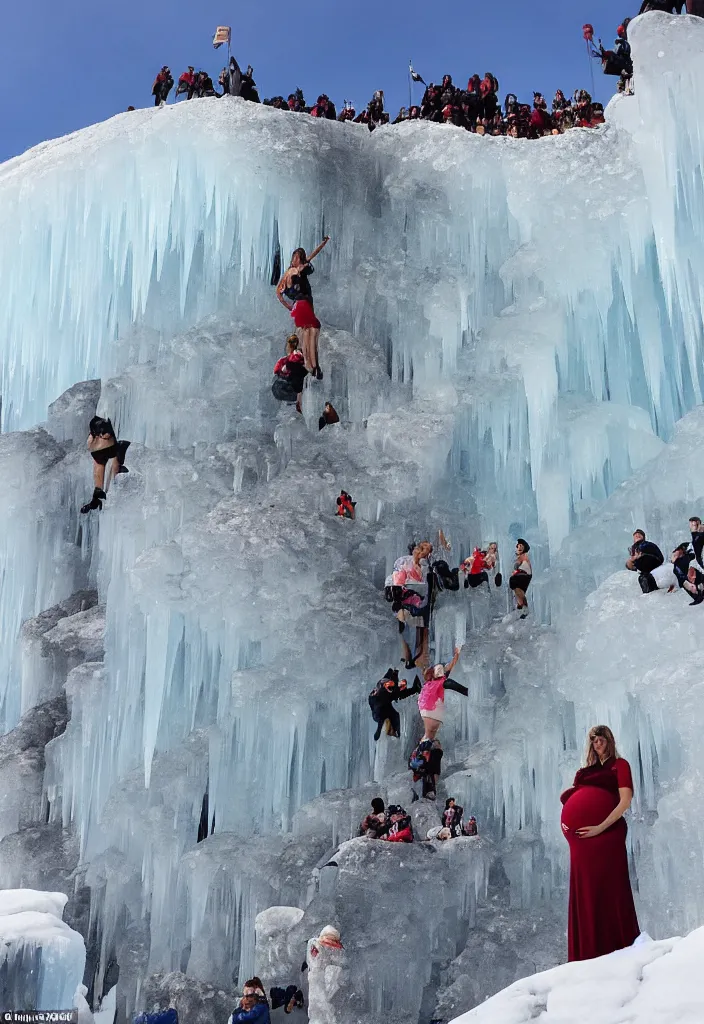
{"points": [[222, 35], [414, 74]]}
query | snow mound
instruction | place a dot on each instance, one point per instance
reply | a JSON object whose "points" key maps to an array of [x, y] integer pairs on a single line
{"points": [[41, 958], [652, 981]]}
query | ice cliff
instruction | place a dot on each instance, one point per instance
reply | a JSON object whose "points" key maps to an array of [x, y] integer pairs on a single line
{"points": [[513, 338]]}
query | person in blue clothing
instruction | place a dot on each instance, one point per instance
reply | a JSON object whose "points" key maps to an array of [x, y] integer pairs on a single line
{"points": [[253, 1005]]}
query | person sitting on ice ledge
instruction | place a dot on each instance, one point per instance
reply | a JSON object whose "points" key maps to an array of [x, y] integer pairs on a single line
{"points": [[294, 286], [694, 585], [670, 574], [644, 557], [253, 1005], [104, 447], [374, 824], [401, 828]]}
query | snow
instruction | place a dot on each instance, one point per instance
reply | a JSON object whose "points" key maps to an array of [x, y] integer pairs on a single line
{"points": [[513, 339], [42, 959], [652, 981]]}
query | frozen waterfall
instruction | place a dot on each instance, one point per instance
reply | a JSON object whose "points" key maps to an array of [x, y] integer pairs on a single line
{"points": [[513, 337]]}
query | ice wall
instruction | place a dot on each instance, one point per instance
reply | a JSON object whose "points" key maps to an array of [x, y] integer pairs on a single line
{"points": [[512, 330]]}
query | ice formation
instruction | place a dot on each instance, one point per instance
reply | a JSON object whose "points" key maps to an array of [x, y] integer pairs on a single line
{"points": [[42, 959], [513, 339]]}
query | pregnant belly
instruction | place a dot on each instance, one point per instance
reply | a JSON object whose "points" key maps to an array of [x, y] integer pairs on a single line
{"points": [[588, 805]]}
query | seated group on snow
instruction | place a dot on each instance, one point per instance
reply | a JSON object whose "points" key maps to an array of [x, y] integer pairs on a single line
{"points": [[655, 573]]}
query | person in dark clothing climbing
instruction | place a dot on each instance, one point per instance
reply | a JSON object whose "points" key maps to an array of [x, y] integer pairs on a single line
{"points": [[345, 506], [105, 448], [329, 416], [294, 292], [376, 823], [425, 763], [162, 86], [644, 555], [697, 531], [401, 828], [289, 375], [381, 701], [290, 998]]}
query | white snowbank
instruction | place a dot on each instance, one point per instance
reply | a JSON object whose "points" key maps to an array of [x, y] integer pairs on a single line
{"points": [[651, 982], [42, 959]]}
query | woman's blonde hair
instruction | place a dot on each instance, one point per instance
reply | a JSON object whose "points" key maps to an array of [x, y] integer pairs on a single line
{"points": [[292, 343], [590, 756]]}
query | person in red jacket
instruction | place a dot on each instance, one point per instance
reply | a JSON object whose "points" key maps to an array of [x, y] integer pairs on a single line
{"points": [[289, 375], [401, 830], [474, 569], [540, 120], [162, 86], [186, 82]]}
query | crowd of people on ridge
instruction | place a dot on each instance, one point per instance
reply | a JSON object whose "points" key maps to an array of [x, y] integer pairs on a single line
{"points": [[477, 107]]}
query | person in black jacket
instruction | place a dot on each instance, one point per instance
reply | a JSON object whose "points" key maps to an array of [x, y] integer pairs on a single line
{"points": [[163, 83], [644, 555], [381, 701], [697, 530]]}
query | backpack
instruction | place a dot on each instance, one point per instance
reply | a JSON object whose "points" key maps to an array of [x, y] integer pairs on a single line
{"points": [[445, 577], [282, 390], [418, 760]]}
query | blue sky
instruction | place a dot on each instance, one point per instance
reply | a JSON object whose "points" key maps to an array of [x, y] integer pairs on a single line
{"points": [[70, 64]]}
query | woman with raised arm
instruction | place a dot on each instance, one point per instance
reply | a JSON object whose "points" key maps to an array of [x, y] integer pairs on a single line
{"points": [[293, 291], [431, 700], [602, 916]]}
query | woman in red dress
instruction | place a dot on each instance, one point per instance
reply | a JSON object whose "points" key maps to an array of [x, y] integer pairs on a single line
{"points": [[602, 915]]}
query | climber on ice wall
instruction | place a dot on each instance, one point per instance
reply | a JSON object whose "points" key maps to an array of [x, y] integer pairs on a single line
{"points": [[431, 700], [105, 448], [381, 702], [294, 292]]}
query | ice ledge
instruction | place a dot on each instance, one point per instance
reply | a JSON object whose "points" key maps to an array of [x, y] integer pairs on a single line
{"points": [[652, 981]]}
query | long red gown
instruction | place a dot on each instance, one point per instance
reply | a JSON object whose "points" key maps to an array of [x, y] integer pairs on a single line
{"points": [[602, 915]]}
